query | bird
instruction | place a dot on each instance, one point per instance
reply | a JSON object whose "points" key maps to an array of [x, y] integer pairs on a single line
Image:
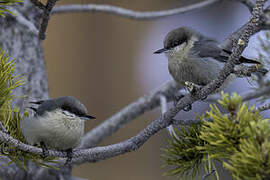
{"points": [[195, 58], [57, 124]]}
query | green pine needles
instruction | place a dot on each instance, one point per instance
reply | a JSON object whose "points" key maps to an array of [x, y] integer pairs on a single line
{"points": [[183, 155], [234, 134], [4, 3], [10, 117]]}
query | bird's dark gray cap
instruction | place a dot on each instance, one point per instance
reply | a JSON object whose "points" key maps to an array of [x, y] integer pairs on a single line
{"points": [[67, 103], [178, 36]]}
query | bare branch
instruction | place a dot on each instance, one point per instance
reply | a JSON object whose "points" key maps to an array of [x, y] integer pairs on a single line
{"points": [[163, 104], [246, 71], [263, 107], [2, 128], [23, 21], [39, 4], [208, 174], [129, 13], [130, 112], [45, 18], [100, 153], [246, 96], [256, 94]]}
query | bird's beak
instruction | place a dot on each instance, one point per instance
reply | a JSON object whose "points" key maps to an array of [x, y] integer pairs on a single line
{"points": [[163, 50], [87, 117]]}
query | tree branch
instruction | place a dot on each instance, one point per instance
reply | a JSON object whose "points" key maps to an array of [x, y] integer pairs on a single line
{"points": [[163, 105], [38, 4], [130, 112], [246, 96], [144, 104], [129, 13], [45, 18], [255, 94], [263, 107], [100, 153], [23, 21]]}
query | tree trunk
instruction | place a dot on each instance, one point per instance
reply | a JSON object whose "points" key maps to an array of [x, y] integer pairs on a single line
{"points": [[27, 49]]}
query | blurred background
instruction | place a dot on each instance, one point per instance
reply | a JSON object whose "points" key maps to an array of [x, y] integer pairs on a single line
{"points": [[107, 62]]}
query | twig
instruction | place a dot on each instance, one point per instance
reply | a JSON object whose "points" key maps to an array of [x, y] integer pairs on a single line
{"points": [[129, 13], [246, 71], [163, 104], [208, 174], [263, 107], [45, 18], [130, 112], [256, 94], [39, 4], [2, 128], [246, 96], [23, 21]]}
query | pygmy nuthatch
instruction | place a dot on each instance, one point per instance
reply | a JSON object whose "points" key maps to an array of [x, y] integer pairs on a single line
{"points": [[193, 57], [58, 123]]}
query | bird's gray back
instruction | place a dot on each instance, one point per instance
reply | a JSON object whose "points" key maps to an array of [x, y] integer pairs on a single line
{"points": [[207, 47], [67, 103]]}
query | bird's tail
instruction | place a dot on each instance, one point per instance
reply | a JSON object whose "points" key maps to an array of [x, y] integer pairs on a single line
{"points": [[243, 59]]}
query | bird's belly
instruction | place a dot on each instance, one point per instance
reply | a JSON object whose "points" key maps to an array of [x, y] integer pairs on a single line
{"points": [[56, 133], [196, 71], [64, 137]]}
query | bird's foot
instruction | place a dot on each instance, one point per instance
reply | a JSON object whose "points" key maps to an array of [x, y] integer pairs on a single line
{"points": [[45, 151], [191, 87], [69, 156], [177, 98]]}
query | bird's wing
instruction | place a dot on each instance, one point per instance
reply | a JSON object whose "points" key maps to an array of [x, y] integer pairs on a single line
{"points": [[34, 109], [242, 59], [209, 48], [37, 102]]}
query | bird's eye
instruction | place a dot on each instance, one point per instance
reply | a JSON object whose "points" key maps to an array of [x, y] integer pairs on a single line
{"points": [[71, 115]]}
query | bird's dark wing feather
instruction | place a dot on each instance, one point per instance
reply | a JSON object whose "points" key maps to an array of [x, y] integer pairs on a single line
{"points": [[243, 59], [209, 48], [37, 102], [34, 109]]}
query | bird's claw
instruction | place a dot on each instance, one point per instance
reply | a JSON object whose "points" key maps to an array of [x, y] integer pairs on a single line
{"points": [[192, 88]]}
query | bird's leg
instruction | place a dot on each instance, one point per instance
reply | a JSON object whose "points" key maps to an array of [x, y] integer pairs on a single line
{"points": [[69, 156], [44, 150]]}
